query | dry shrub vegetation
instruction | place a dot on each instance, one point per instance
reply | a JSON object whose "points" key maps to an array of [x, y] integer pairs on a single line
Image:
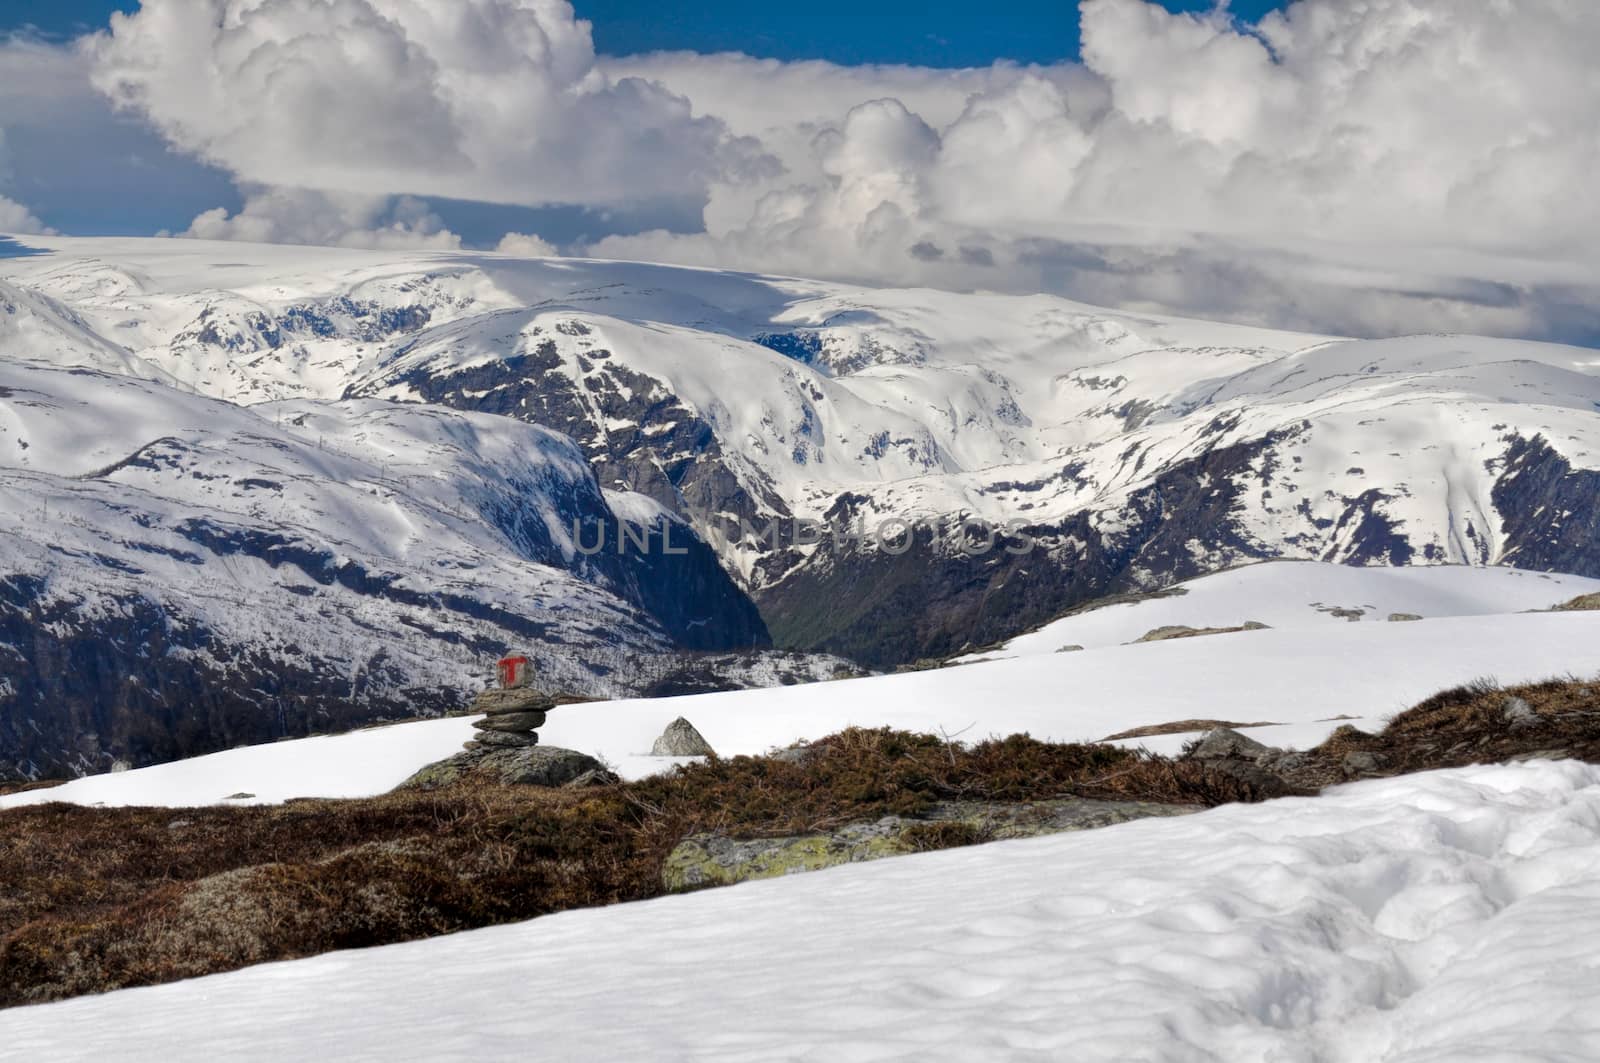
{"points": [[95, 899], [1470, 724]]}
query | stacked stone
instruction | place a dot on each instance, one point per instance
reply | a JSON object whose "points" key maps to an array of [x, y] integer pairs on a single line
{"points": [[512, 717]]}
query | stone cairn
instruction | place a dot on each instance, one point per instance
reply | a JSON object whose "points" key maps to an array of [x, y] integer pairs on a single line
{"points": [[512, 717]]}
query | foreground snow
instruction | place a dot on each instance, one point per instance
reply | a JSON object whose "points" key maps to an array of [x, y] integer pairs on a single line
{"points": [[1447, 916], [1306, 681]]}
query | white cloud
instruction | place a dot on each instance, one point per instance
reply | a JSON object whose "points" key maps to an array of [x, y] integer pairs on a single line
{"points": [[18, 220], [492, 100], [298, 216], [1380, 166], [1189, 152], [525, 245]]}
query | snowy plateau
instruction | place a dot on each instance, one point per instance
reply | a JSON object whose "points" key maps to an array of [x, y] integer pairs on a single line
{"points": [[254, 492]]}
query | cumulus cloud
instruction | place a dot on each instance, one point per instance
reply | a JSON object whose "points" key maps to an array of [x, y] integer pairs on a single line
{"points": [[328, 219], [525, 245], [491, 100], [19, 220], [1368, 167], [1188, 151]]}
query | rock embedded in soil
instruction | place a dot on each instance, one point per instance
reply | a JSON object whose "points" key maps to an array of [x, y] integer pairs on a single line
{"points": [[715, 859]]}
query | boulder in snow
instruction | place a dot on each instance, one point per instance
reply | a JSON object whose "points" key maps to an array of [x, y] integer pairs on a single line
{"points": [[680, 739]]}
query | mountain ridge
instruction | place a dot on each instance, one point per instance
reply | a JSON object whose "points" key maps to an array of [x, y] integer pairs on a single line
{"points": [[1130, 450]]}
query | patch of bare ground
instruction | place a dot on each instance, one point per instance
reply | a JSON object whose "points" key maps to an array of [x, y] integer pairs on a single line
{"points": [[1476, 723], [22, 787], [93, 899], [1582, 603], [1183, 631], [1178, 727]]}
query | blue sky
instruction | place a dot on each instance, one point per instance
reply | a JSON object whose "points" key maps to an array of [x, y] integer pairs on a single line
{"points": [[946, 33]]}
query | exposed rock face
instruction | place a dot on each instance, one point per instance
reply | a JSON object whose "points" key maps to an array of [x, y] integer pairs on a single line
{"points": [[680, 739], [667, 451], [527, 766], [1535, 482], [933, 601], [715, 859]]}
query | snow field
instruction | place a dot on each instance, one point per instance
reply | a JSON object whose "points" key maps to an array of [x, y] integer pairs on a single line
{"points": [[1307, 681]]}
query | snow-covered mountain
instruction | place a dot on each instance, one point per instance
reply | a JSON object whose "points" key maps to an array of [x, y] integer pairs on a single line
{"points": [[1135, 448], [1127, 450], [177, 572]]}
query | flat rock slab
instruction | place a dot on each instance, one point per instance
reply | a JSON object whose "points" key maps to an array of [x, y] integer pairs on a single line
{"points": [[520, 699], [507, 739], [715, 859], [526, 766], [512, 721]]}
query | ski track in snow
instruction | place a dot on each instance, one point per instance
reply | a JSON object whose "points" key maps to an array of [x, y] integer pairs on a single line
{"points": [[1448, 916]]}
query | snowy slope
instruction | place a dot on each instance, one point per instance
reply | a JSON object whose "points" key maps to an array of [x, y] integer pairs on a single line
{"points": [[1139, 449], [178, 572], [1284, 594], [1307, 680], [1446, 916]]}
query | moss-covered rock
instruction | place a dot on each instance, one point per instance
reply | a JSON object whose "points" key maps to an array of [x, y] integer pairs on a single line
{"points": [[716, 859], [527, 766]]}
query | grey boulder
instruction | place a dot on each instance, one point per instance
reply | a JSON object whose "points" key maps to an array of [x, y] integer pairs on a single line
{"points": [[1224, 742], [680, 739], [527, 766]]}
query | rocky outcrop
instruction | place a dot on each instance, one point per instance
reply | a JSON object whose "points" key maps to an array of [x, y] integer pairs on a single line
{"points": [[934, 601], [1581, 604], [1183, 631], [1535, 482], [716, 859], [525, 766]]}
